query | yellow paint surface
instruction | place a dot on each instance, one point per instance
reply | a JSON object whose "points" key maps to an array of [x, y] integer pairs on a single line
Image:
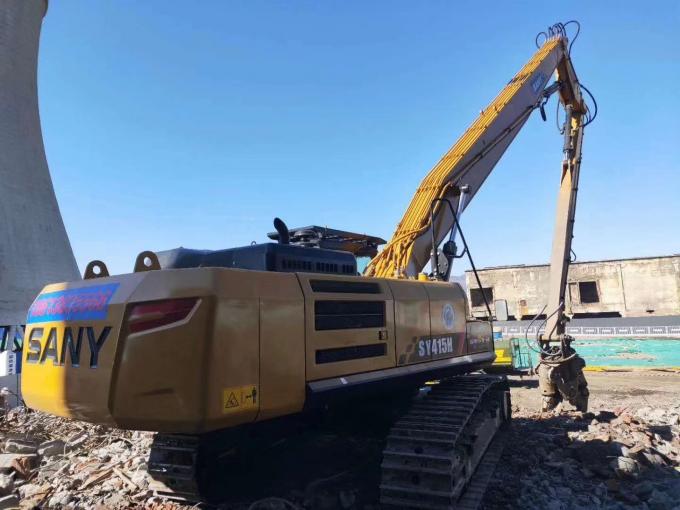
{"points": [[503, 357]]}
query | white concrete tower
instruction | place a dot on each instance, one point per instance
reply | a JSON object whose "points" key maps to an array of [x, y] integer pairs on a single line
{"points": [[34, 247]]}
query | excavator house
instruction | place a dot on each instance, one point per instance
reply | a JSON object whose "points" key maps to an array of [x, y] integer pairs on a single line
{"points": [[195, 345]]}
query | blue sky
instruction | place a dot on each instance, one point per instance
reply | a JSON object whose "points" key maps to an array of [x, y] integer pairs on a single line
{"points": [[168, 125]]}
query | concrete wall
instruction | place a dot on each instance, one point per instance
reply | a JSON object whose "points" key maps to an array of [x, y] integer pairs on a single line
{"points": [[34, 248], [631, 287]]}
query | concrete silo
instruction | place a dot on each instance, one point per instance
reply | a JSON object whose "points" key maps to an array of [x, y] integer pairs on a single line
{"points": [[34, 247]]}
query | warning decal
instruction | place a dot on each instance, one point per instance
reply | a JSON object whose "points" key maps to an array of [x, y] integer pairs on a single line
{"points": [[239, 398]]}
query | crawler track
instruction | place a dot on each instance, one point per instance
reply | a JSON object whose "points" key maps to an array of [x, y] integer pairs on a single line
{"points": [[174, 465], [430, 456], [432, 452]]}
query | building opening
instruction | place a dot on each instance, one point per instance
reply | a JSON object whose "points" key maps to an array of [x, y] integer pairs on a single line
{"points": [[588, 292], [596, 315], [477, 296], [583, 292]]}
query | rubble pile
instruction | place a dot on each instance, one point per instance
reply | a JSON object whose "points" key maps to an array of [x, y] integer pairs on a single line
{"points": [[625, 458], [48, 461], [619, 459]]}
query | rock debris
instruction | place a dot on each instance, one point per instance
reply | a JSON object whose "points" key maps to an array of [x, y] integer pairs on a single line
{"points": [[620, 457]]}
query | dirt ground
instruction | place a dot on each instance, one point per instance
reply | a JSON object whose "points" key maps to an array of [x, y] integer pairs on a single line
{"points": [[633, 389], [624, 454]]}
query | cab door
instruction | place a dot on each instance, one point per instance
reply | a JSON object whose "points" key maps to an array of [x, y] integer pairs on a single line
{"points": [[349, 325]]}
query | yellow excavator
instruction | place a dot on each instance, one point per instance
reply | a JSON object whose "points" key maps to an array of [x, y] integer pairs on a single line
{"points": [[197, 345]]}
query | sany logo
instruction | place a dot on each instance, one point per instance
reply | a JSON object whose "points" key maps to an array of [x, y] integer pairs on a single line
{"points": [[448, 316], [42, 347]]}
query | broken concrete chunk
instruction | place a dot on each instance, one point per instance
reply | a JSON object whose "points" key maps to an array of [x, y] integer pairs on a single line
{"points": [[30, 489], [50, 448], [9, 502], [624, 466], [6, 484], [77, 441], [20, 446], [60, 499], [7, 460], [140, 478], [654, 459]]}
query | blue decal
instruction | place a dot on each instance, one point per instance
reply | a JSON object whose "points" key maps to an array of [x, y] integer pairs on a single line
{"points": [[538, 81], [85, 303]]}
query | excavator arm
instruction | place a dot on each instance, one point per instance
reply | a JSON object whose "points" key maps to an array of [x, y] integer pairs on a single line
{"points": [[464, 168], [443, 195]]}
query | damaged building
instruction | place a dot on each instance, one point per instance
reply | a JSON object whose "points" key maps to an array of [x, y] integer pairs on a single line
{"points": [[635, 296]]}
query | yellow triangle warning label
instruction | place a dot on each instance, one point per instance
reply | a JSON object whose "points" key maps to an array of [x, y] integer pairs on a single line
{"points": [[238, 399], [231, 401]]}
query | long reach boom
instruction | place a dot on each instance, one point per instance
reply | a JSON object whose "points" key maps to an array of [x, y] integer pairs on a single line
{"points": [[464, 168], [455, 180]]}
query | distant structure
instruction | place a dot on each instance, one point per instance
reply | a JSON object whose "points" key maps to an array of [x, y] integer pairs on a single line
{"points": [[625, 297], [34, 247]]}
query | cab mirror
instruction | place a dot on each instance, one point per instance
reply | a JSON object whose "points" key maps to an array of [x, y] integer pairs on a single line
{"points": [[501, 309]]}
